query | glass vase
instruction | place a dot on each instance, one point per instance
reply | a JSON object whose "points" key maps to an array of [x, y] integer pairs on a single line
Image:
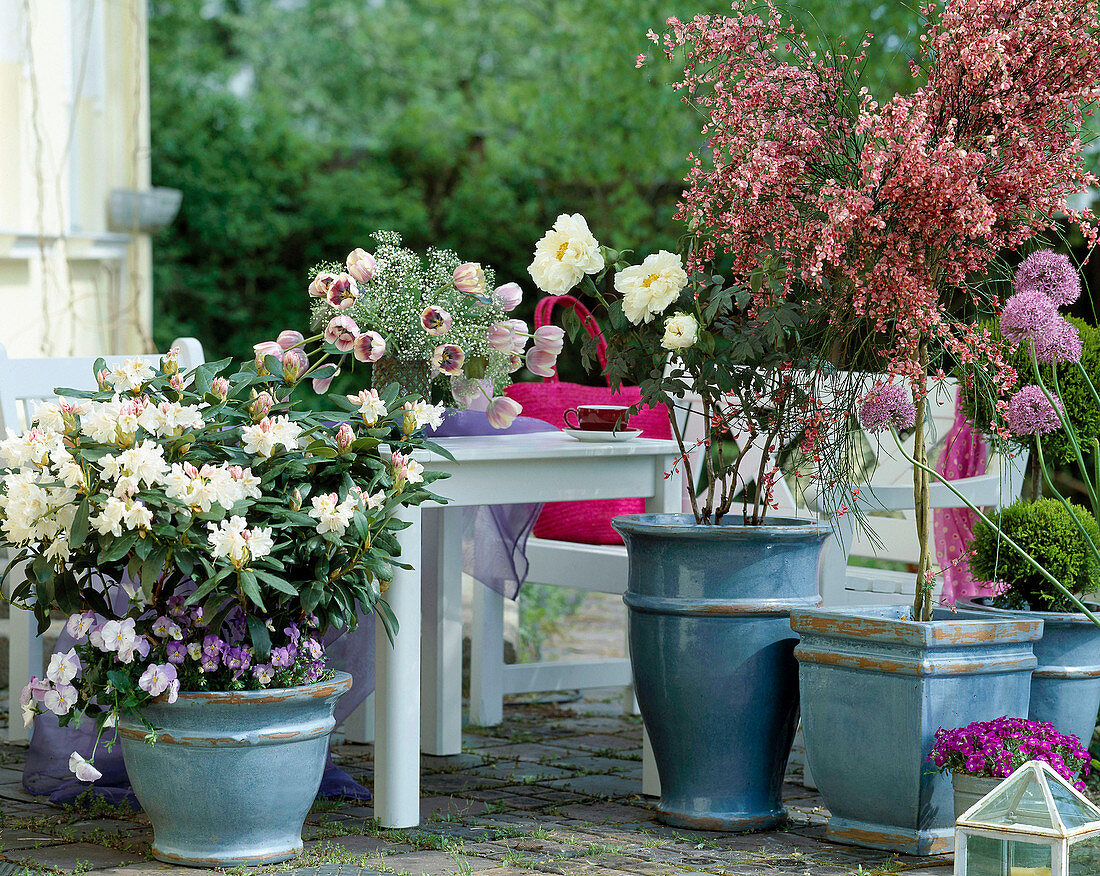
{"points": [[410, 375]]}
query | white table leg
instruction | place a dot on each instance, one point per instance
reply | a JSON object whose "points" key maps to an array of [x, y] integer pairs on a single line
{"points": [[441, 651], [24, 660], [667, 498], [397, 692], [487, 658]]}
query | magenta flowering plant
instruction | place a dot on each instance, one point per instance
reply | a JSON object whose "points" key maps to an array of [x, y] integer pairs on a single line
{"points": [[995, 749], [201, 530], [438, 311]]}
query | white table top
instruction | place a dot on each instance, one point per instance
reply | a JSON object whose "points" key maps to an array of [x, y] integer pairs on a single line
{"points": [[542, 445]]}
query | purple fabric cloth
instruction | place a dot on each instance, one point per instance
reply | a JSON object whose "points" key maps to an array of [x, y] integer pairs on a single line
{"points": [[493, 554], [964, 455]]}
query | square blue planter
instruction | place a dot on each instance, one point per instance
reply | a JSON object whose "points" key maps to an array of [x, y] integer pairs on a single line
{"points": [[876, 686]]}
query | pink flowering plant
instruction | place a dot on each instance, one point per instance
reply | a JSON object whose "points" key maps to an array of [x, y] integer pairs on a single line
{"points": [[200, 530], [436, 311], [888, 212], [995, 749]]}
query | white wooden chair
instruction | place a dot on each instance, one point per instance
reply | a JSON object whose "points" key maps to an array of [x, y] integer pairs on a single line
{"points": [[24, 384], [887, 501]]}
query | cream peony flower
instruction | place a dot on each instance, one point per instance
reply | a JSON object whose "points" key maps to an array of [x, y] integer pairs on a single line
{"points": [[650, 287], [681, 330], [566, 253]]}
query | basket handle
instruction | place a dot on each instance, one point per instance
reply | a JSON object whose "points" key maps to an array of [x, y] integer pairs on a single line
{"points": [[544, 311]]}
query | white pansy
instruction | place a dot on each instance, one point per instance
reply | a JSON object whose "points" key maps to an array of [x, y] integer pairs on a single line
{"points": [[29, 711], [63, 667], [565, 254], [649, 288], [61, 699], [82, 768], [681, 331]]}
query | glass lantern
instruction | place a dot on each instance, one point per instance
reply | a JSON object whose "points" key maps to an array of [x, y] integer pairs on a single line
{"points": [[1034, 823]]}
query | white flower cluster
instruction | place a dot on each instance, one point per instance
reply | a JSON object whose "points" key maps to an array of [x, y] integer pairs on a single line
{"points": [[234, 540], [268, 434], [334, 516]]}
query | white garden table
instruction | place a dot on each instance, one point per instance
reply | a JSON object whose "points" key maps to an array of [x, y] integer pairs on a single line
{"points": [[501, 469]]}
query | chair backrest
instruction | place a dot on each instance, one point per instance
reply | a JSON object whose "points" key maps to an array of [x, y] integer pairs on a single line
{"points": [[26, 383]]}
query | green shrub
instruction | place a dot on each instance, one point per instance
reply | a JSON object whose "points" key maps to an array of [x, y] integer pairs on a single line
{"points": [[1080, 405], [1046, 530]]}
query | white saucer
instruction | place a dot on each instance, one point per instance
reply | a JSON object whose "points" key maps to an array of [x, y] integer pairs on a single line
{"points": [[603, 437]]}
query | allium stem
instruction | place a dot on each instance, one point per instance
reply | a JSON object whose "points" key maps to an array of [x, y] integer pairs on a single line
{"points": [[922, 602]]}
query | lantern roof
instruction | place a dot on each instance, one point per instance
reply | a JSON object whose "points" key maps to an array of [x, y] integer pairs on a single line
{"points": [[1035, 799]]}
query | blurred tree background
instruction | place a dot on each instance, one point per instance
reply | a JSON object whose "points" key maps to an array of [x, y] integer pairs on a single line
{"points": [[295, 128]]}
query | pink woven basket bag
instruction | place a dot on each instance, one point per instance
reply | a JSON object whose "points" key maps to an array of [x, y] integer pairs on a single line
{"points": [[584, 522]]}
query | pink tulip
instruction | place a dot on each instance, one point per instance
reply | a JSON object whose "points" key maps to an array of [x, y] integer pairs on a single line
{"points": [[502, 411], [549, 339], [345, 437], [290, 339], [436, 320], [541, 362], [321, 384], [321, 283], [295, 364], [343, 292], [361, 265], [370, 347], [515, 362], [448, 359], [508, 296], [501, 336], [342, 332], [520, 334], [265, 349], [469, 279]]}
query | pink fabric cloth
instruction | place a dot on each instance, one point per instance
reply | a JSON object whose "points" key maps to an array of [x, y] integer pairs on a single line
{"points": [[964, 455]]}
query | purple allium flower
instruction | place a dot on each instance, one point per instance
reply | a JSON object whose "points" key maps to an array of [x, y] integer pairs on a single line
{"points": [[282, 657], [1030, 412], [1050, 273], [887, 404], [1061, 344], [177, 652], [1027, 316]]}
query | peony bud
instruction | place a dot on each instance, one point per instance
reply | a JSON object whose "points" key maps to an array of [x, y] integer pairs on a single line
{"points": [[219, 386], [341, 332], [321, 283], [263, 350], [541, 362], [343, 292], [436, 320], [290, 339], [469, 279], [549, 339], [345, 437], [448, 358], [502, 411], [260, 405], [501, 336], [508, 296], [361, 265], [369, 347], [295, 364]]}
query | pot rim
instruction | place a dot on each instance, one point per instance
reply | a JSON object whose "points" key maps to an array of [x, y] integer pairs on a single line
{"points": [[776, 528], [874, 622], [340, 683], [975, 604]]}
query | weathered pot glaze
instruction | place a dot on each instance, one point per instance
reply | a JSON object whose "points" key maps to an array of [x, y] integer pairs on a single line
{"points": [[200, 783], [712, 653], [875, 688], [969, 790], [1065, 688]]}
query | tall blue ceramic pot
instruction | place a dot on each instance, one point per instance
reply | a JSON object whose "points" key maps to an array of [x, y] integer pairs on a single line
{"points": [[713, 659], [233, 774], [1065, 688], [875, 688]]}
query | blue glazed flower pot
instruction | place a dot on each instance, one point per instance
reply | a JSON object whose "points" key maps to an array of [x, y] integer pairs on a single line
{"points": [[1065, 689], [713, 659], [198, 783], [876, 687]]}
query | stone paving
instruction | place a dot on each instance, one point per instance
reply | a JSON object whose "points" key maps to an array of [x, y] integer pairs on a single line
{"points": [[549, 791]]}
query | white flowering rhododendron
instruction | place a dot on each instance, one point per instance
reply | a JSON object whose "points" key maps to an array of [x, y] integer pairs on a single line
{"points": [[202, 532]]}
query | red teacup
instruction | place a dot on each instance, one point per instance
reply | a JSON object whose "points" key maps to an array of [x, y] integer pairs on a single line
{"points": [[599, 418]]}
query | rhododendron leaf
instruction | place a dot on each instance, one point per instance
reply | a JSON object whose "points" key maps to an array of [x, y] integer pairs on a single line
{"points": [[389, 619], [118, 548], [275, 582], [79, 530], [251, 587], [260, 637]]}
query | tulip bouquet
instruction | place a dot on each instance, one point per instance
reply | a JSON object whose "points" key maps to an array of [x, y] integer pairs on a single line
{"points": [[202, 532], [436, 311]]}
